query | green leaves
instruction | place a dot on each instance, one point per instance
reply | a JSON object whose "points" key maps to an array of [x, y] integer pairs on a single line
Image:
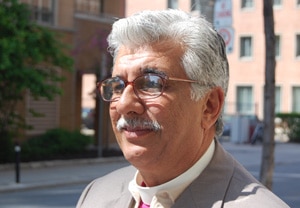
{"points": [[31, 59]]}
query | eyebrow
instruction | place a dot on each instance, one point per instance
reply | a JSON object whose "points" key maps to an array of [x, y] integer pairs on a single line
{"points": [[152, 70], [147, 70]]}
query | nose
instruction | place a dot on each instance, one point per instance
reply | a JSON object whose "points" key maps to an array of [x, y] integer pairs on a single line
{"points": [[129, 102]]}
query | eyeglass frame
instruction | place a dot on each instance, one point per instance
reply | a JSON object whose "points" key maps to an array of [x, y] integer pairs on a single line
{"points": [[163, 77]]}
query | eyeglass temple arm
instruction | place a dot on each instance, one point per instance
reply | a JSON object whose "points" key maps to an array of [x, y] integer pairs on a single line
{"points": [[182, 80]]}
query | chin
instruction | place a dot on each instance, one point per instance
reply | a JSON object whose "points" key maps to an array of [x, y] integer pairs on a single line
{"points": [[135, 154]]}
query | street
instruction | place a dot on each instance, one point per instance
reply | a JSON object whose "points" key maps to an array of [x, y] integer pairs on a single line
{"points": [[60, 197]]}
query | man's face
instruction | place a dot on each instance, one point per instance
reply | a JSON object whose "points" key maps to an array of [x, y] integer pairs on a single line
{"points": [[180, 137]]}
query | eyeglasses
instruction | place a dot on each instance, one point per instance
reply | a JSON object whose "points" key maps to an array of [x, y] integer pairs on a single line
{"points": [[146, 86]]}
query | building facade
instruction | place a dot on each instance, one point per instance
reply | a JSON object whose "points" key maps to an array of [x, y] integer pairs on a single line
{"points": [[84, 26], [247, 61]]}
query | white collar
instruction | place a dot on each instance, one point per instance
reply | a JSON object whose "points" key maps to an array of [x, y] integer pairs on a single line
{"points": [[168, 192]]}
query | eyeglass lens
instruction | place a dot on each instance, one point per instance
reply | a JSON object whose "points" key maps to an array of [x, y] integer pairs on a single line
{"points": [[145, 87]]}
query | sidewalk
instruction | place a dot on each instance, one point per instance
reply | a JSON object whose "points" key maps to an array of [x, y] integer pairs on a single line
{"points": [[54, 173]]}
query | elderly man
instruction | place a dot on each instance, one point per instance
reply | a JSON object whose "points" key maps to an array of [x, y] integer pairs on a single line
{"points": [[166, 94]]}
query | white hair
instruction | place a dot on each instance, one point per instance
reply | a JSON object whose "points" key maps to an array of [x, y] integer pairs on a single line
{"points": [[204, 58]]}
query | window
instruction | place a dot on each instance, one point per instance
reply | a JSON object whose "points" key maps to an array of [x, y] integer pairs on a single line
{"points": [[277, 99], [277, 45], [247, 4], [296, 100], [89, 6], [245, 47], [298, 46], [42, 10], [277, 2], [173, 4], [195, 5], [244, 100]]}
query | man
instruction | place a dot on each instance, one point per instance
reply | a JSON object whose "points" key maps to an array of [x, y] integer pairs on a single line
{"points": [[166, 94]]}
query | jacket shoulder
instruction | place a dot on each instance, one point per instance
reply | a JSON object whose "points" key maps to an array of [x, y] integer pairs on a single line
{"points": [[226, 183], [245, 191], [107, 190]]}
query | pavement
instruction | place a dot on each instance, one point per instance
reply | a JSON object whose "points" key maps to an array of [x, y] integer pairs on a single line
{"points": [[81, 171], [55, 173]]}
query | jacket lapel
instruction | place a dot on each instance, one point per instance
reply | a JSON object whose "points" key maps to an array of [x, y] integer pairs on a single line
{"points": [[209, 189], [125, 200]]}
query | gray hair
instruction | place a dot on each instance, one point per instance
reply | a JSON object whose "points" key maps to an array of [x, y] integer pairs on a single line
{"points": [[204, 57]]}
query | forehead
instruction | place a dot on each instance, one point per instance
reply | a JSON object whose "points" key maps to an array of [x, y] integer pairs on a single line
{"points": [[164, 56]]}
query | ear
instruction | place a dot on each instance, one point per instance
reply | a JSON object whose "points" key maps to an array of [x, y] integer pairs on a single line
{"points": [[213, 103]]}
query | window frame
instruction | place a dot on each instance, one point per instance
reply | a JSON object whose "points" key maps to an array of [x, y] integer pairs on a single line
{"points": [[297, 46], [43, 11], [245, 107], [277, 4], [278, 46], [173, 4], [295, 99], [246, 52], [195, 5], [278, 96], [245, 6]]}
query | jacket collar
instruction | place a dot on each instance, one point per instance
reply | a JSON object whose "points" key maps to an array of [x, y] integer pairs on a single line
{"points": [[217, 175]]}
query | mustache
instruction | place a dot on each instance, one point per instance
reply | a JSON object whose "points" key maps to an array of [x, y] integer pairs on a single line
{"points": [[137, 123]]}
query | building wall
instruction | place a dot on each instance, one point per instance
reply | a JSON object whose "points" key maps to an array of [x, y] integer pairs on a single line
{"points": [[64, 12], [251, 71], [68, 102], [287, 25], [115, 7], [133, 6], [246, 71], [80, 27]]}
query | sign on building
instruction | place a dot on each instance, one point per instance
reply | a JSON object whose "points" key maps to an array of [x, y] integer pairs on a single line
{"points": [[227, 34], [223, 22], [223, 13]]}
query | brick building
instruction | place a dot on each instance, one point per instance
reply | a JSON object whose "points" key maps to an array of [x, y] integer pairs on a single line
{"points": [[83, 25]]}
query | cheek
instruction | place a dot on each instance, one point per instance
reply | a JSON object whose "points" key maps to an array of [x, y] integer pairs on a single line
{"points": [[114, 116], [167, 114]]}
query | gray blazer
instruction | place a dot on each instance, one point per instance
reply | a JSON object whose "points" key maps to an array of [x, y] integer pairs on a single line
{"points": [[223, 183]]}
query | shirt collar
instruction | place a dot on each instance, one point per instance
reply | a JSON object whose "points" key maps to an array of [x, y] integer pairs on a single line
{"points": [[169, 191]]}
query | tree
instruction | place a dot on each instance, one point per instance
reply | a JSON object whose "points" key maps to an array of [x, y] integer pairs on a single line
{"points": [[267, 165], [31, 60]]}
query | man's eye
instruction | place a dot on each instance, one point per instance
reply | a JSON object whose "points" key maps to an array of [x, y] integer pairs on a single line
{"points": [[151, 86], [117, 87]]}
